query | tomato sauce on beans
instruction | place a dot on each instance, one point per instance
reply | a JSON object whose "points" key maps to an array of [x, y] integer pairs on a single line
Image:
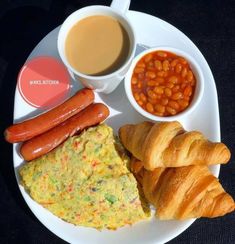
{"points": [[163, 83]]}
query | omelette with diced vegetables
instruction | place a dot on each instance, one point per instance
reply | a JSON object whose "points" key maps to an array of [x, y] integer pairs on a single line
{"points": [[86, 181]]}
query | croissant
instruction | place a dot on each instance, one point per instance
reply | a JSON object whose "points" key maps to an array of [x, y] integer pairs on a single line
{"points": [[167, 144], [184, 192]]}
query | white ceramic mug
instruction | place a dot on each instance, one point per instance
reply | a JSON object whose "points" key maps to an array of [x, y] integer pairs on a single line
{"points": [[105, 83]]}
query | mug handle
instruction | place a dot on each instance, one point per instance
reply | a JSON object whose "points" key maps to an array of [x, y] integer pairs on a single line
{"points": [[120, 5]]}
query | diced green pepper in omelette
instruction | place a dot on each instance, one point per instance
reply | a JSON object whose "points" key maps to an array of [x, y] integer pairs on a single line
{"points": [[86, 181]]}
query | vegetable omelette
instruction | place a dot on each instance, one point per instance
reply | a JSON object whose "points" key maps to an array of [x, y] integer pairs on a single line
{"points": [[86, 181]]}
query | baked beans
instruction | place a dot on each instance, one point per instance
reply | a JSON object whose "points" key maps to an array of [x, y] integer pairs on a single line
{"points": [[163, 83]]}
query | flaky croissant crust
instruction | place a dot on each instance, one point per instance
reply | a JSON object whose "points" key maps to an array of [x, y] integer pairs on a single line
{"points": [[167, 144], [184, 192]]}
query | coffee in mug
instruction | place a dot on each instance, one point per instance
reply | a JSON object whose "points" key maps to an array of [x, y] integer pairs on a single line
{"points": [[97, 45], [100, 61]]}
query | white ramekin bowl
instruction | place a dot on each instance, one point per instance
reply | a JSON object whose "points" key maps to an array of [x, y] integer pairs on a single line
{"points": [[198, 89]]}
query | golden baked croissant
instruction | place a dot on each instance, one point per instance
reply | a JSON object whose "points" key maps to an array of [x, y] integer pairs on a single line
{"points": [[167, 144], [184, 192]]}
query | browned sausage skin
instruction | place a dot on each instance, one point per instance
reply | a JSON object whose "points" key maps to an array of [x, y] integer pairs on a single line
{"points": [[30, 128], [47, 141]]}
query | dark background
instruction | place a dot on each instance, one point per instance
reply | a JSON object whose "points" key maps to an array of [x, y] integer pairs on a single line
{"points": [[209, 24]]}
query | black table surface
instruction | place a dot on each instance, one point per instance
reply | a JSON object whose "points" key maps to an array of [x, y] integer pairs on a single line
{"points": [[210, 24]]}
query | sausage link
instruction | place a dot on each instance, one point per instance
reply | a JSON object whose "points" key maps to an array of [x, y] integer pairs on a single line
{"points": [[44, 143], [30, 128]]}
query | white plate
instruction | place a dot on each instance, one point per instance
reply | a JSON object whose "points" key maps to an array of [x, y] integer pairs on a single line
{"points": [[151, 31]]}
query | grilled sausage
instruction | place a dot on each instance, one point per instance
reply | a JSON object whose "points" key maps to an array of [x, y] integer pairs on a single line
{"points": [[30, 128], [47, 141]]}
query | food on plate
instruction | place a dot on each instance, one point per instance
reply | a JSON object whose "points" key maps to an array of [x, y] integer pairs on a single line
{"points": [[167, 144], [43, 143], [86, 181], [163, 83], [184, 192], [30, 128]]}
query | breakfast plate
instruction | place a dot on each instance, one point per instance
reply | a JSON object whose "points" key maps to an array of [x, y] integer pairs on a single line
{"points": [[151, 31]]}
